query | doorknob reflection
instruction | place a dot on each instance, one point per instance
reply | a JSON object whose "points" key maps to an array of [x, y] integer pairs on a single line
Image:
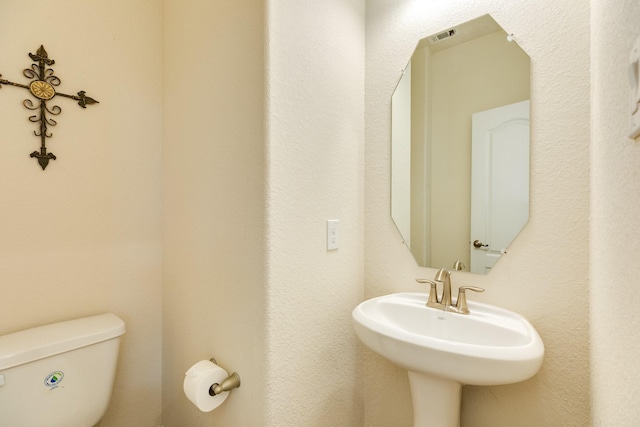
{"points": [[478, 244]]}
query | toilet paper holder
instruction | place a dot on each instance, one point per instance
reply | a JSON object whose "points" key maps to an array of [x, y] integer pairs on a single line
{"points": [[229, 383]]}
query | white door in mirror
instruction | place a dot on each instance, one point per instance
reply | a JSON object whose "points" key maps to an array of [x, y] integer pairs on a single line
{"points": [[499, 183]]}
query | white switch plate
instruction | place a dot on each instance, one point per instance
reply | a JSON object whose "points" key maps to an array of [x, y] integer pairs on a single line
{"points": [[634, 97], [332, 234]]}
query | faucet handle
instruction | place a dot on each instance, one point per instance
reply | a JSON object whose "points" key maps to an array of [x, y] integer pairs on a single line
{"points": [[461, 302], [433, 292]]}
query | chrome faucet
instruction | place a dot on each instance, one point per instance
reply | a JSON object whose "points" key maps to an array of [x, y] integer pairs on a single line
{"points": [[444, 302]]}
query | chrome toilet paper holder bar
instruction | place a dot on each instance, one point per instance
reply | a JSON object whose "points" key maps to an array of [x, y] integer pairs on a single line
{"points": [[228, 384]]}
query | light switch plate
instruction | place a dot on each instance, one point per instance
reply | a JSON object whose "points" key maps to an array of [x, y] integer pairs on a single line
{"points": [[332, 234]]}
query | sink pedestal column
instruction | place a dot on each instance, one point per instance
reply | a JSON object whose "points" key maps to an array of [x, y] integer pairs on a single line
{"points": [[436, 402]]}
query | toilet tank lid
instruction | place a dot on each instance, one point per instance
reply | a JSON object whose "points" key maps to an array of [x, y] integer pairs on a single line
{"points": [[48, 340]]}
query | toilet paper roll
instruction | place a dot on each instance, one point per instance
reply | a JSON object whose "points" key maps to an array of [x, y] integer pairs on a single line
{"points": [[197, 381]]}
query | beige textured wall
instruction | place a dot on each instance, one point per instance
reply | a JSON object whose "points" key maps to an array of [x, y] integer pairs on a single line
{"points": [[545, 276], [615, 220], [214, 292], [315, 140], [247, 196], [83, 236]]}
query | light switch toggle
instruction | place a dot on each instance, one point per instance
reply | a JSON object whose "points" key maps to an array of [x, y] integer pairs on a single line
{"points": [[332, 234]]}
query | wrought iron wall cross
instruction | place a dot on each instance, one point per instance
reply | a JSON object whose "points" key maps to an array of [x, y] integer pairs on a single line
{"points": [[42, 87]]}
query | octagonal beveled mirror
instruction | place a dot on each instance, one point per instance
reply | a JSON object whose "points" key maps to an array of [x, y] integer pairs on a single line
{"points": [[460, 147]]}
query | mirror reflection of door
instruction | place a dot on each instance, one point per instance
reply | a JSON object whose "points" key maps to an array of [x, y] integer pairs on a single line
{"points": [[499, 182], [451, 76]]}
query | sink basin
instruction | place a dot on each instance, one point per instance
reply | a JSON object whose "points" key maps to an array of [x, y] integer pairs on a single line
{"points": [[444, 350], [490, 346]]}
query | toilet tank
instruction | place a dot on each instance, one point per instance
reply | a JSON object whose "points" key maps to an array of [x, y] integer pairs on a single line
{"points": [[59, 375]]}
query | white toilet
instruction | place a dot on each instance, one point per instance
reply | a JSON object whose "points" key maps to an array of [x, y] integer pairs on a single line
{"points": [[59, 375]]}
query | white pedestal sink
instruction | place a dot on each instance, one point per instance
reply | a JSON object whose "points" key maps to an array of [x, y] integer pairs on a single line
{"points": [[444, 350]]}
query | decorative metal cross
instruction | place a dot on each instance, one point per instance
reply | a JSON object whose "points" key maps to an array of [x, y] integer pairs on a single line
{"points": [[43, 87]]}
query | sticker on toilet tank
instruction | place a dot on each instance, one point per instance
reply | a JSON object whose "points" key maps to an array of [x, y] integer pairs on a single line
{"points": [[54, 379]]}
